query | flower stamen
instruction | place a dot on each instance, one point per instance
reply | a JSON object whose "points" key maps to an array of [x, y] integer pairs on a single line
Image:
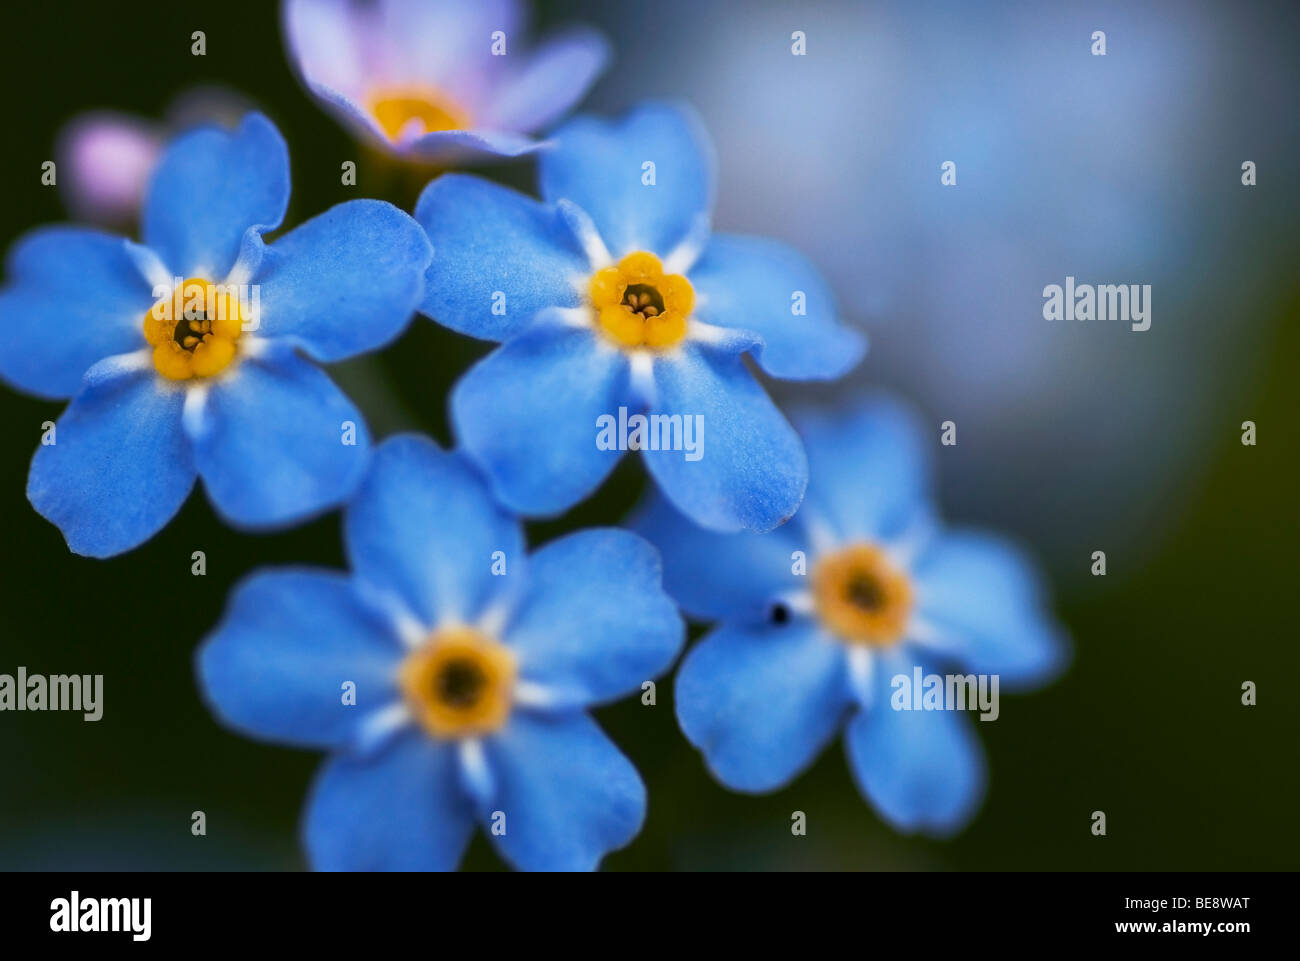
{"points": [[193, 330], [639, 306], [459, 683], [861, 597]]}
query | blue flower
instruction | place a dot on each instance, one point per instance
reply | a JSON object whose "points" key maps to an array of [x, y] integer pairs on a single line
{"points": [[439, 81], [182, 356], [818, 619], [625, 325], [451, 674]]}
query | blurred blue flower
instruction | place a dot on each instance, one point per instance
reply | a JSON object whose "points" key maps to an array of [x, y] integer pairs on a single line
{"points": [[470, 667], [181, 356], [819, 617], [612, 297], [439, 81], [949, 279]]}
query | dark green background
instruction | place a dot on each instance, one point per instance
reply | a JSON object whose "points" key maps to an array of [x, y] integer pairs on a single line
{"points": [[1147, 725]]}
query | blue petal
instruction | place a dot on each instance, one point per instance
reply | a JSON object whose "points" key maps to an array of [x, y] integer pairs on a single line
{"points": [[444, 148], [210, 186], [400, 809], [276, 665], [557, 74], [345, 282], [489, 239], [761, 703], [270, 444], [986, 600], [423, 527], [120, 466], [597, 165], [750, 283], [869, 466], [527, 414], [351, 114], [595, 623], [463, 147], [74, 297], [752, 471], [568, 794], [921, 770], [446, 44], [715, 576]]}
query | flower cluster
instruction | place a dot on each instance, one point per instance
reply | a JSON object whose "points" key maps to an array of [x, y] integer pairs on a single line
{"points": [[451, 671]]}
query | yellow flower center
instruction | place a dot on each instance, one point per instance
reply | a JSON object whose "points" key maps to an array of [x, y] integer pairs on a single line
{"points": [[458, 683], [193, 330], [394, 109], [638, 305], [861, 597]]}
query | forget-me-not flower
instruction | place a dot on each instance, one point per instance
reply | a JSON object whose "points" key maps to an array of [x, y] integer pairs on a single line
{"points": [[450, 674], [439, 81], [818, 618], [615, 303], [183, 356]]}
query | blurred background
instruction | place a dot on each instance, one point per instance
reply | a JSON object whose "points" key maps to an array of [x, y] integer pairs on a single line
{"points": [[1073, 436]]}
